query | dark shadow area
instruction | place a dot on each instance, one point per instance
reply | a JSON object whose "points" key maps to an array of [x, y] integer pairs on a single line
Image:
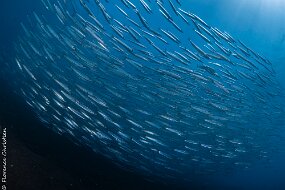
{"points": [[38, 158]]}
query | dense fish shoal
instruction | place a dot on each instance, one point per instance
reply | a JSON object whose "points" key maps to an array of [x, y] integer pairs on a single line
{"points": [[148, 84]]}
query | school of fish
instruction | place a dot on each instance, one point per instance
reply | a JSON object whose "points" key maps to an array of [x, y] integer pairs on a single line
{"points": [[148, 84]]}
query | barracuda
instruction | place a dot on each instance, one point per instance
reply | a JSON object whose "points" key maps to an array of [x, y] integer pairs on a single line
{"points": [[147, 82]]}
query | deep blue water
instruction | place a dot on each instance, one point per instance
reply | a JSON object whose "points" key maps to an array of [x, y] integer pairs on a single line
{"points": [[258, 24]]}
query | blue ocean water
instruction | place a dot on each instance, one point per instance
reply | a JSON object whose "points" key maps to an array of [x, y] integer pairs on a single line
{"points": [[258, 24]]}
